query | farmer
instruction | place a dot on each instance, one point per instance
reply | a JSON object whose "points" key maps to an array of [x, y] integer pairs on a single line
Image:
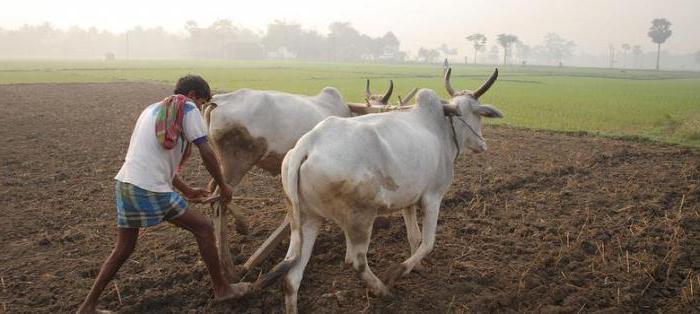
{"points": [[145, 185]]}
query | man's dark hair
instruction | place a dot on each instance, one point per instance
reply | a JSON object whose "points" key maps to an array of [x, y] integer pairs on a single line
{"points": [[194, 83]]}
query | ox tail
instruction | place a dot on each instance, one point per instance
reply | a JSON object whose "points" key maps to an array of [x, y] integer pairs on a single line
{"points": [[292, 171]]}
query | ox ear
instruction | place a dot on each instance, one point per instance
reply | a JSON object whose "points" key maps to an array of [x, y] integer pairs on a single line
{"points": [[449, 108], [488, 111]]}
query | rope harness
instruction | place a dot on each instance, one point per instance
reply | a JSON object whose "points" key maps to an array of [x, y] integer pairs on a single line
{"points": [[454, 133], [454, 137], [471, 129]]}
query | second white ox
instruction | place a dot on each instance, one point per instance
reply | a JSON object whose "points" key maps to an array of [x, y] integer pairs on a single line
{"points": [[351, 170]]}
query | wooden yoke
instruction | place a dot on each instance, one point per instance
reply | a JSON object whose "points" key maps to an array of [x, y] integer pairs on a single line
{"points": [[362, 109]]}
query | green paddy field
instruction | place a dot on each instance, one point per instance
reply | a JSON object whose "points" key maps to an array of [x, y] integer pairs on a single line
{"points": [[636, 104]]}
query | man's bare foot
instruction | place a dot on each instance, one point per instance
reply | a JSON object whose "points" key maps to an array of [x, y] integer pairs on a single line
{"points": [[233, 291]]}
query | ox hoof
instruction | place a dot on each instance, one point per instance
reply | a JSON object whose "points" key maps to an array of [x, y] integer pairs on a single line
{"points": [[241, 226], [238, 290], [394, 274], [233, 277], [382, 292]]}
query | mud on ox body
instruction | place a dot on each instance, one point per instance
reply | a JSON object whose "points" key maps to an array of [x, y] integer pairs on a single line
{"points": [[349, 170]]}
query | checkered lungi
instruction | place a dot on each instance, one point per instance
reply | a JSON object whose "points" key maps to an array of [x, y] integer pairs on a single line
{"points": [[137, 208]]}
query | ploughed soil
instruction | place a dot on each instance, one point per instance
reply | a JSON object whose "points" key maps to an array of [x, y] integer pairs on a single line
{"points": [[542, 222]]}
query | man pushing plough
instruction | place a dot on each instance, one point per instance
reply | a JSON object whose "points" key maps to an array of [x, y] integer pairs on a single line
{"points": [[146, 185]]}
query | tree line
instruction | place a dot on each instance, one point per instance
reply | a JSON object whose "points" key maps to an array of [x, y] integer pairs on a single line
{"points": [[282, 40], [220, 40], [554, 49]]}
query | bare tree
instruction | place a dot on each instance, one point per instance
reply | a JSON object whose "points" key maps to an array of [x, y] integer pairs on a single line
{"points": [[659, 31], [478, 42], [506, 41]]}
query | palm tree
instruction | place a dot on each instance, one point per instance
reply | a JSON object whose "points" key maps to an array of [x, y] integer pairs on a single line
{"points": [[506, 40], [478, 41], [659, 31]]}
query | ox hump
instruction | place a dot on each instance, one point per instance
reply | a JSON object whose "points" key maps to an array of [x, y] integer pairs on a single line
{"points": [[331, 92]]}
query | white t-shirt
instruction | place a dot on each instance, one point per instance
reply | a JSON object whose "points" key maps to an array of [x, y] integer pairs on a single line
{"points": [[150, 166]]}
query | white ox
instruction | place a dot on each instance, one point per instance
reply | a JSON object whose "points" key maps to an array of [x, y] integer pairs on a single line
{"points": [[351, 170], [256, 128]]}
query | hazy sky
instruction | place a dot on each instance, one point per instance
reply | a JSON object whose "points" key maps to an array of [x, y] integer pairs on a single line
{"points": [[592, 24]]}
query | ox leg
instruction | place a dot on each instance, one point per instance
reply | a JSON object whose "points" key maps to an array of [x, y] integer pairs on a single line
{"points": [[310, 227], [412, 230], [431, 208], [348, 250], [359, 232], [234, 168]]}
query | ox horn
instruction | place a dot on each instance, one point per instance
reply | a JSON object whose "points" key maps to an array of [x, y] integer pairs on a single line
{"points": [[367, 92], [448, 86], [484, 88], [387, 95]]}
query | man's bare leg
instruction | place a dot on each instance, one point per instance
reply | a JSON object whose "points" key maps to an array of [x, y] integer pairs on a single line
{"points": [[203, 231], [126, 242]]}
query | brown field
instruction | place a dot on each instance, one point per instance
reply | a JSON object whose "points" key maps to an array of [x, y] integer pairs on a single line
{"points": [[542, 222]]}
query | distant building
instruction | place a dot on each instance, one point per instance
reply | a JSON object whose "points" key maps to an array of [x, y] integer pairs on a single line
{"points": [[392, 53]]}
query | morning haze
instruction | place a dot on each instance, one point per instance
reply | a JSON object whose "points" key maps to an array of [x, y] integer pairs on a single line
{"points": [[599, 29]]}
